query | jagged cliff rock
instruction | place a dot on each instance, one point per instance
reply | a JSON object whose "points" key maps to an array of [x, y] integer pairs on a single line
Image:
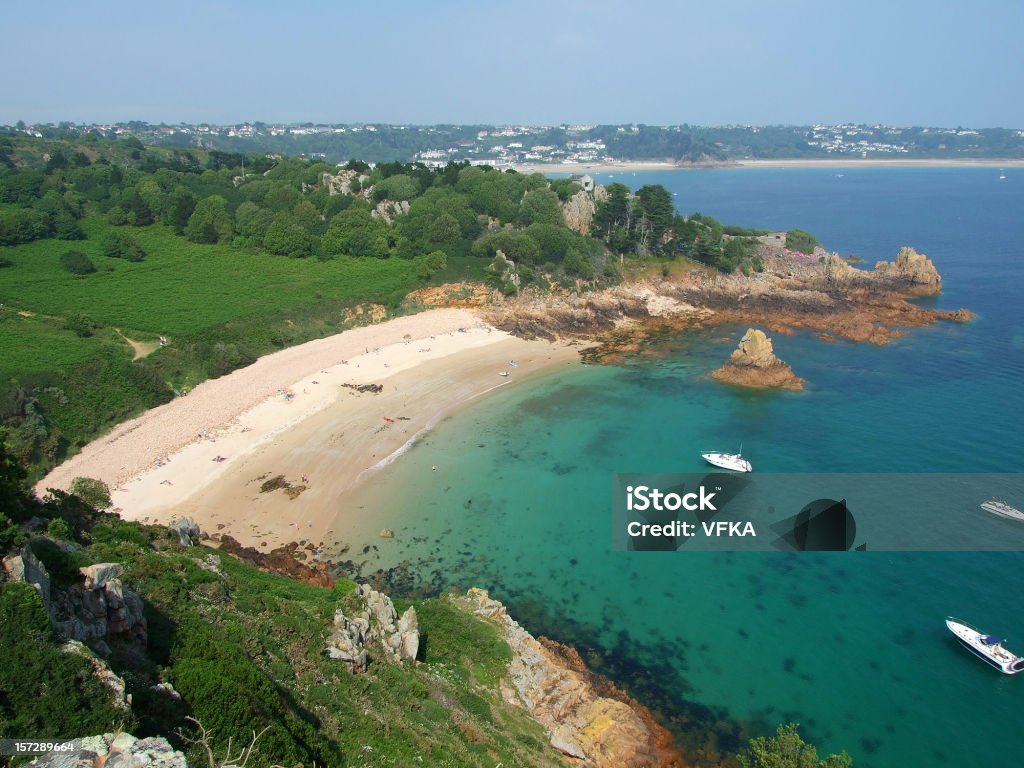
{"points": [[95, 611], [754, 364], [374, 628], [121, 750], [596, 730], [25, 567], [388, 210], [340, 184], [578, 211]]}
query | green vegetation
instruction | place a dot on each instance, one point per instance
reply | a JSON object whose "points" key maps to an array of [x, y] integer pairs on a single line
{"points": [[228, 265], [804, 242], [787, 750], [43, 690], [245, 650]]}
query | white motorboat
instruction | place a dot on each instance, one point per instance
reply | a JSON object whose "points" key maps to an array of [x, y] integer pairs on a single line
{"points": [[1001, 508], [733, 461], [988, 648]]}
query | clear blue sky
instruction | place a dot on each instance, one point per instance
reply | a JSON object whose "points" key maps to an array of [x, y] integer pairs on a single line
{"points": [[918, 62]]}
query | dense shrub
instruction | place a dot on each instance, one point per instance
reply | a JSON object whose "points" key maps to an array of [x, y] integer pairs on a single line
{"points": [[77, 263], [798, 240], [44, 692]]}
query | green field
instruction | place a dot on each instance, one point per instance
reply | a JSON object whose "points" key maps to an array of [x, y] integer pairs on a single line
{"points": [[182, 289]]}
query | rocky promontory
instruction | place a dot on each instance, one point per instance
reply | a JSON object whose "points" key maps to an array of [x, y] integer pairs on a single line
{"points": [[597, 730], [754, 364]]}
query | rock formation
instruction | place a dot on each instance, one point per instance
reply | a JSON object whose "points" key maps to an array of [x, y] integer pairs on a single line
{"points": [[341, 184], [187, 530], [387, 210], [912, 272], [578, 211], [597, 730], [375, 626], [754, 364], [121, 750], [94, 612]]}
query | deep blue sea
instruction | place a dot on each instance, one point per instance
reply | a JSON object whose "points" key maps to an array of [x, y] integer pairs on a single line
{"points": [[850, 645]]}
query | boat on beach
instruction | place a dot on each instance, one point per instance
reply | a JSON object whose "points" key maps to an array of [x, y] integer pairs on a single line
{"points": [[731, 461], [988, 648], [1001, 508]]}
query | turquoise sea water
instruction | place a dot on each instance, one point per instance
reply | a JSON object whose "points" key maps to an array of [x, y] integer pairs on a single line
{"points": [[851, 645]]}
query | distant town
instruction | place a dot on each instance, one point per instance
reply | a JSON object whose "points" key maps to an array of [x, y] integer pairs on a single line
{"points": [[519, 145]]}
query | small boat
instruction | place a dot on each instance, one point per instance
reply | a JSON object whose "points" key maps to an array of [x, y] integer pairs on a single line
{"points": [[1002, 174], [1001, 508], [988, 648], [733, 461], [503, 373]]}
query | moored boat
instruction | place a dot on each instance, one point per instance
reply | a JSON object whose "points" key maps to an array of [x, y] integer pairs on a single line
{"points": [[988, 648], [1001, 508], [733, 461]]}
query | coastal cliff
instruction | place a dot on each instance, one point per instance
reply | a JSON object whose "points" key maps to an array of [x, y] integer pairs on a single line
{"points": [[819, 292], [552, 683], [754, 364]]}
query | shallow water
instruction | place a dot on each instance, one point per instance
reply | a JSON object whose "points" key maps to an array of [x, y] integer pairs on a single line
{"points": [[851, 645]]}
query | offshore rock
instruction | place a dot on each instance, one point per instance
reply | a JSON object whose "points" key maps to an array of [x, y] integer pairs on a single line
{"points": [[912, 272], [598, 730], [754, 364], [121, 750], [373, 627]]}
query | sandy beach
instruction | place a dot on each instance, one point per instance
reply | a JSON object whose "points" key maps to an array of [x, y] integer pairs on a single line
{"points": [[207, 454]]}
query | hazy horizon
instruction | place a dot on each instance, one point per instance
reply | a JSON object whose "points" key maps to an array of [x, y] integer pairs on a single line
{"points": [[457, 62]]}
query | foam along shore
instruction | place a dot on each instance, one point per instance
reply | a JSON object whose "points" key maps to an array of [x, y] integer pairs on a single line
{"points": [[207, 454]]}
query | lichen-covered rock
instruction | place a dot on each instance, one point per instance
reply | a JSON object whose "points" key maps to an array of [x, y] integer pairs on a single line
{"points": [[97, 576], [374, 629], [120, 750], [26, 567], [187, 530], [754, 364], [578, 212]]}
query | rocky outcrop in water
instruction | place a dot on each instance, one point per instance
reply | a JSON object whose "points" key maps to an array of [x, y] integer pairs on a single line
{"points": [[120, 750], [911, 272], [373, 630], [598, 731], [754, 364]]}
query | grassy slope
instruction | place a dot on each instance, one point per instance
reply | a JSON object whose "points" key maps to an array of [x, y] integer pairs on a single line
{"points": [[246, 648]]}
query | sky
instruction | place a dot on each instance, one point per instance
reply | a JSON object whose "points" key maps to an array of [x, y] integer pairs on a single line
{"points": [[715, 62]]}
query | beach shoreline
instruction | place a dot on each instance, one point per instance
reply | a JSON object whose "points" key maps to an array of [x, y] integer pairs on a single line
{"points": [[297, 415], [628, 166]]}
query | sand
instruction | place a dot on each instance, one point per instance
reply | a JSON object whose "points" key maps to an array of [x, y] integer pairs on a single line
{"points": [[205, 455]]}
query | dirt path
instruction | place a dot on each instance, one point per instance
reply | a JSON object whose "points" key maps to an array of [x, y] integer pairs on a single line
{"points": [[139, 348]]}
